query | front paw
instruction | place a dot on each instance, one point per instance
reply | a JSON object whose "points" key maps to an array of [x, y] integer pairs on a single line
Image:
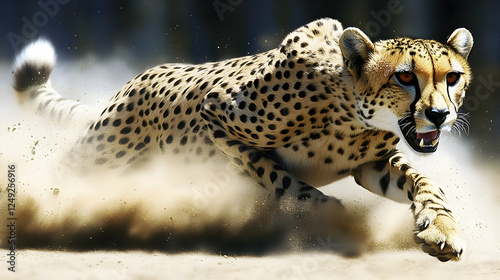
{"points": [[439, 235]]}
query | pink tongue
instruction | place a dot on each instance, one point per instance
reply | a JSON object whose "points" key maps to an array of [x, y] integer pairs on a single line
{"points": [[429, 136]]}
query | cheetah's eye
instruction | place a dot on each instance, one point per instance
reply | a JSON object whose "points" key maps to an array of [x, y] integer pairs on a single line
{"points": [[405, 78], [452, 78]]}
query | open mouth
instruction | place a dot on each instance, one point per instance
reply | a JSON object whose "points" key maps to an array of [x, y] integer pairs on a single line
{"points": [[426, 142]]}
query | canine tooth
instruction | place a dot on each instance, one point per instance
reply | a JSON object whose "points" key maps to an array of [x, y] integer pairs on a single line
{"points": [[421, 142], [442, 245], [435, 141]]}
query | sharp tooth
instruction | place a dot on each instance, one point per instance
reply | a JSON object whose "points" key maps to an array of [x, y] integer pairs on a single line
{"points": [[421, 142], [435, 141]]}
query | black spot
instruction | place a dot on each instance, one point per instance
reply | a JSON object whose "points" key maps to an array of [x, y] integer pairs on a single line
{"points": [[382, 153], [388, 136], [401, 182], [279, 192], [181, 125], [270, 116], [184, 140], [405, 167], [410, 196], [132, 159], [139, 146], [100, 161], [242, 105], [177, 109], [111, 138], [273, 176], [130, 120], [219, 134], [105, 122], [173, 97], [311, 87], [284, 112], [286, 182], [384, 182], [300, 74], [267, 77], [380, 146], [126, 130], [100, 147], [120, 107], [260, 172], [120, 154], [117, 122]]}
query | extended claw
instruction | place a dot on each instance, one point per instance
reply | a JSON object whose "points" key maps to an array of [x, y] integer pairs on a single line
{"points": [[426, 223], [460, 253], [442, 245]]}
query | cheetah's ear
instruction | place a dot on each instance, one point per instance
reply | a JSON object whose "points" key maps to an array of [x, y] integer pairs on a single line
{"points": [[356, 48], [461, 41]]}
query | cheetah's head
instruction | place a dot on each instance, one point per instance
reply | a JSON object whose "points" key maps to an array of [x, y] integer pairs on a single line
{"points": [[412, 87]]}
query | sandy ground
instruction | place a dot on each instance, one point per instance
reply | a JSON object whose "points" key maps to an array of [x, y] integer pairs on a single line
{"points": [[57, 213], [142, 265]]}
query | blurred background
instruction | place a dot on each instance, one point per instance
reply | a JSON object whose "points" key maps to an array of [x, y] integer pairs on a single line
{"points": [[145, 33]]}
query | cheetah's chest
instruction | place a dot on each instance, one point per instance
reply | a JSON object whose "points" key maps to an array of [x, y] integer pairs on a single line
{"points": [[322, 161]]}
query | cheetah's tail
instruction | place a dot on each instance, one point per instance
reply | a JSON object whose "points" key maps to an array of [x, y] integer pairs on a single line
{"points": [[32, 68]]}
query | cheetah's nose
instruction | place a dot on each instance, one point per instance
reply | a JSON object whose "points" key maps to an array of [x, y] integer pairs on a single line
{"points": [[436, 116]]}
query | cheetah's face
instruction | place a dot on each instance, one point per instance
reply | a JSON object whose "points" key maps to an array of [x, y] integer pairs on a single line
{"points": [[412, 87]]}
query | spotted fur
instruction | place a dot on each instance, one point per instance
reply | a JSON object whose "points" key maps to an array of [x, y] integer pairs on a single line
{"points": [[325, 104]]}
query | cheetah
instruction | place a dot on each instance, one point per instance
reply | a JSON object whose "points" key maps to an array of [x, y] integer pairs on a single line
{"points": [[325, 104]]}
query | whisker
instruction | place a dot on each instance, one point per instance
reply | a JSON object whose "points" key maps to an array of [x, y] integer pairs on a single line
{"points": [[461, 124], [412, 129]]}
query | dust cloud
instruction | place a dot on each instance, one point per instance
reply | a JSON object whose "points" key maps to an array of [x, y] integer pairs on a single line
{"points": [[172, 206]]}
